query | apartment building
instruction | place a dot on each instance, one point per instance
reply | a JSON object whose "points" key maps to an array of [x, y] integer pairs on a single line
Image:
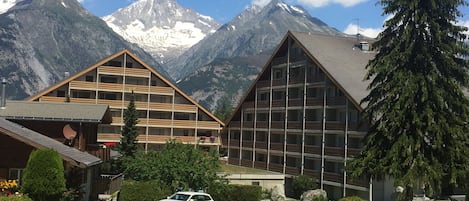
{"points": [[302, 114], [165, 112]]}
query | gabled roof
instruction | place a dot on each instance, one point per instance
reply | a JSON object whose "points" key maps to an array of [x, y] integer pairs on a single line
{"points": [[70, 112], [340, 60], [39, 141], [337, 56], [102, 62]]}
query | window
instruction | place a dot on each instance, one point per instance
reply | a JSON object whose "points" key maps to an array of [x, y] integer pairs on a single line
{"points": [[15, 174], [129, 64], [255, 183], [89, 78], [108, 79], [278, 74], [81, 94], [60, 93], [108, 96], [114, 63]]}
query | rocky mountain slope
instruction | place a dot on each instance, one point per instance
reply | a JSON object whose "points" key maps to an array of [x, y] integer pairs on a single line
{"points": [[40, 40], [255, 32], [161, 27]]}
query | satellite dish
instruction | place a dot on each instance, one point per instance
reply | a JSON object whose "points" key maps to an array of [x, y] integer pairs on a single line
{"points": [[68, 132]]}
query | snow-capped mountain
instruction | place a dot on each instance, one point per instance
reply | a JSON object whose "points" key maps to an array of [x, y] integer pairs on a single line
{"points": [[161, 27], [40, 40], [6, 4], [223, 65]]}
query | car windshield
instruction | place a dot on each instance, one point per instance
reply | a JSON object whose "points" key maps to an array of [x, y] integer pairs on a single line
{"points": [[179, 196]]}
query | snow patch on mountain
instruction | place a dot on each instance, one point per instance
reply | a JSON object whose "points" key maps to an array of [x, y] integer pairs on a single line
{"points": [[161, 27], [6, 4]]}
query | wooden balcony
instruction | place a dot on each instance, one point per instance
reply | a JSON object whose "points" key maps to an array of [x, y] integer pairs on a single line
{"points": [[310, 101], [52, 99], [279, 82], [353, 152], [136, 88], [106, 184], [186, 139], [234, 143], [334, 151], [263, 83], [83, 85], [278, 103], [358, 182], [312, 149], [334, 177], [338, 100], [112, 103], [99, 151], [279, 61], [261, 145], [276, 146], [335, 125], [313, 125], [233, 161], [276, 167], [294, 148], [247, 144], [296, 80], [262, 124], [248, 104], [278, 124], [162, 90], [316, 78], [260, 165], [109, 137], [263, 104], [292, 170], [295, 125], [312, 173], [134, 72], [114, 87], [157, 138], [246, 163], [298, 102], [235, 124]]}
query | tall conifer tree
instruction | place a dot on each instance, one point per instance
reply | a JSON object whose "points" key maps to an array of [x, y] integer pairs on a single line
{"points": [[416, 105], [128, 144]]}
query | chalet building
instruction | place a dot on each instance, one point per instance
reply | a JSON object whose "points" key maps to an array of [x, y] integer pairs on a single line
{"points": [[68, 128], [302, 114], [165, 112]]}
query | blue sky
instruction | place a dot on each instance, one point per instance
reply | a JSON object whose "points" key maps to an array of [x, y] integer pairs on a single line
{"points": [[341, 14]]}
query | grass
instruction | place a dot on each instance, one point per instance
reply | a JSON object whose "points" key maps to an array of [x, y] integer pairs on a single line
{"points": [[233, 169]]}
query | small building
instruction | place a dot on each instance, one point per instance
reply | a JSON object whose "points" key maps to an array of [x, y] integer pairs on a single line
{"points": [[165, 112], [301, 116], [68, 128]]}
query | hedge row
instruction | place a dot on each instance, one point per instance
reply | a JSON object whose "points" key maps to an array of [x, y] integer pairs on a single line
{"points": [[143, 191], [232, 192]]}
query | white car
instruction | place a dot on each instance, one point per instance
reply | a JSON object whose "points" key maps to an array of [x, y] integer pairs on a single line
{"points": [[189, 196]]}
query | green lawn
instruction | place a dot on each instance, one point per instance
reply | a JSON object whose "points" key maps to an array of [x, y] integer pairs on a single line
{"points": [[226, 168]]}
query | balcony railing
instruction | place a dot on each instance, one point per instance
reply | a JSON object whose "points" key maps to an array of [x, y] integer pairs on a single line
{"points": [[294, 148], [276, 167], [246, 163], [83, 85], [247, 143], [313, 101], [99, 151], [334, 177], [107, 184], [109, 137], [234, 143], [261, 145], [263, 83], [260, 165], [276, 146], [313, 125], [334, 151], [312, 149], [135, 72], [338, 100], [292, 170], [313, 173]]}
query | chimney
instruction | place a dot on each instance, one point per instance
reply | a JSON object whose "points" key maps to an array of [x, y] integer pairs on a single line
{"points": [[3, 103]]}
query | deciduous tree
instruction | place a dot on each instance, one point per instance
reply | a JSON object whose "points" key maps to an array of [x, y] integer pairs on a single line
{"points": [[416, 104]]}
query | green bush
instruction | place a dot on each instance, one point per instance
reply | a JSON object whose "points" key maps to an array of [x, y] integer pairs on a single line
{"points": [[320, 198], [143, 191], [352, 198], [44, 178], [231, 192], [15, 198], [302, 183]]}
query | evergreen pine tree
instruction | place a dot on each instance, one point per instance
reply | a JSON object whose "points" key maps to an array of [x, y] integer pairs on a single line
{"points": [[416, 105], [128, 144]]}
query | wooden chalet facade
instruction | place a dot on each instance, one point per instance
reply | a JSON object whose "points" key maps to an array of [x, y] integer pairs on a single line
{"points": [[70, 129], [165, 112], [302, 114]]}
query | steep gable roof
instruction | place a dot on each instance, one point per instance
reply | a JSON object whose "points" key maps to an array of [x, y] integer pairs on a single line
{"points": [[133, 56], [39, 141], [342, 62]]}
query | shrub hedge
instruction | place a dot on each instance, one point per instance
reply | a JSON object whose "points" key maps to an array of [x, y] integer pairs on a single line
{"points": [[143, 191], [232, 192], [352, 198]]}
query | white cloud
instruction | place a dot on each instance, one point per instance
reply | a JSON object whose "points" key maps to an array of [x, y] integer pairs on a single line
{"points": [[368, 32], [465, 24], [260, 3], [321, 3]]}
